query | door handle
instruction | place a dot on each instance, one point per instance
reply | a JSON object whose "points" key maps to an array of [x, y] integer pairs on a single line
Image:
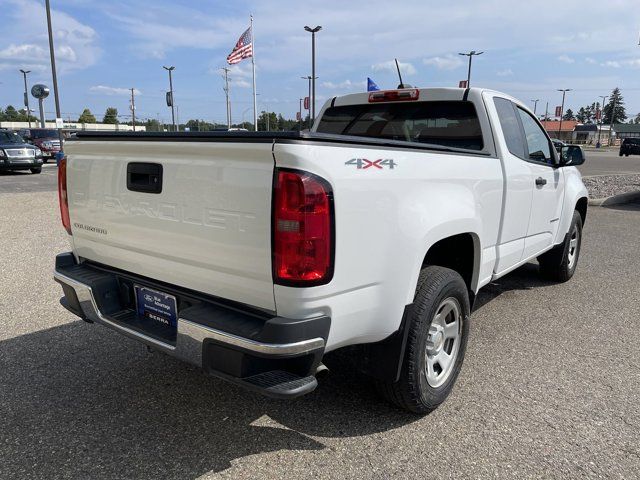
{"points": [[144, 177], [540, 182]]}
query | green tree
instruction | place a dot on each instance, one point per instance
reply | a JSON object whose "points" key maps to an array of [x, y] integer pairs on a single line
{"points": [[110, 115], [87, 117], [614, 111], [568, 115], [11, 114], [581, 116]]}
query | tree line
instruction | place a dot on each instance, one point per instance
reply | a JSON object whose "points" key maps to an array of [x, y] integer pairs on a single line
{"points": [[613, 112]]}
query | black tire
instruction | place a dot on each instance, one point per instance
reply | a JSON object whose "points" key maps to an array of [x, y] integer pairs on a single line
{"points": [[559, 264], [44, 160], [36, 170], [620, 154], [413, 391], [626, 154]]}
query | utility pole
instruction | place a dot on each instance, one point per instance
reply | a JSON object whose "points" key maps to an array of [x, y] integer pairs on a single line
{"points": [[564, 91], [53, 72], [226, 92], [173, 115], [133, 109], [535, 105], [313, 32], [470, 55], [26, 95], [178, 117], [613, 117], [604, 99]]}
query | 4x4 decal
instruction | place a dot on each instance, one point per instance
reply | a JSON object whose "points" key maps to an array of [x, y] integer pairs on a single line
{"points": [[363, 163]]}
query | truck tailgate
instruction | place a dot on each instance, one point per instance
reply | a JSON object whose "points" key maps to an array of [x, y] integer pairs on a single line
{"points": [[208, 229]]}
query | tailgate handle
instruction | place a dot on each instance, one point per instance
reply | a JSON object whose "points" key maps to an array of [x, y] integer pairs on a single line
{"points": [[144, 177]]}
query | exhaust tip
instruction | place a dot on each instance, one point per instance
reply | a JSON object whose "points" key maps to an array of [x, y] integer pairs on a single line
{"points": [[322, 371]]}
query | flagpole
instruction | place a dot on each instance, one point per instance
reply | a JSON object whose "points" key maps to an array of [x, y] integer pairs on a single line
{"points": [[253, 67]]}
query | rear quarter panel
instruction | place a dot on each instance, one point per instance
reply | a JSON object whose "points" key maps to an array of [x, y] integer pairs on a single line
{"points": [[386, 220]]}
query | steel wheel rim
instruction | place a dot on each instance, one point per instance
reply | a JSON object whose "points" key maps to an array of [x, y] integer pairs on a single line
{"points": [[443, 342], [572, 254]]}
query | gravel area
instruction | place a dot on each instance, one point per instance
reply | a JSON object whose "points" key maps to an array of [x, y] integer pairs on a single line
{"points": [[607, 185]]}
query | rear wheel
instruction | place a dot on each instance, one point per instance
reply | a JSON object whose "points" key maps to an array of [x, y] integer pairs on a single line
{"points": [[36, 170], [437, 340], [560, 263]]}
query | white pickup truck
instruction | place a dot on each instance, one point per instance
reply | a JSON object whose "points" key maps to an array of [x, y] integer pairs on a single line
{"points": [[252, 254]]}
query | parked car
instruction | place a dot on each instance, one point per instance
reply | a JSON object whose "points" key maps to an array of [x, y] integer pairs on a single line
{"points": [[253, 254], [16, 154], [46, 139], [630, 146]]}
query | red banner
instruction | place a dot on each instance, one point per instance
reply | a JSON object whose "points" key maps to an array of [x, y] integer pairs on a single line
{"points": [[298, 116], [558, 111], [462, 84], [306, 103]]}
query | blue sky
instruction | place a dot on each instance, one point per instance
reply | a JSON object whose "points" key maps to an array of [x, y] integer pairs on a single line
{"points": [[103, 48]]}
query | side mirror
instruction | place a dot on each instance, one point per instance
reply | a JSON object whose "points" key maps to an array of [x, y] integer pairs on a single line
{"points": [[571, 156]]}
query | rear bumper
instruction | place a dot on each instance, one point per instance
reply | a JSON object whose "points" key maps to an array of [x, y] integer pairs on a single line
{"points": [[272, 355]]}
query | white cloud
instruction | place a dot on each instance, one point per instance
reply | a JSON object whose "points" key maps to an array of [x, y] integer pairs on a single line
{"points": [[346, 85], [390, 66], [105, 90], [590, 60], [507, 72], [566, 59], [447, 62], [633, 63], [611, 63], [23, 24]]}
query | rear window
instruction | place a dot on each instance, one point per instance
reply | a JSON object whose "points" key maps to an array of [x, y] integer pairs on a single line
{"points": [[446, 123]]}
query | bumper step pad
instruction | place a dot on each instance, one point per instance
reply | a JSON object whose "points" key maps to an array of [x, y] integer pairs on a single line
{"points": [[278, 383]]}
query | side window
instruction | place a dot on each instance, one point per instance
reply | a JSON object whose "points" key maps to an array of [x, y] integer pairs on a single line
{"points": [[537, 142], [510, 126]]}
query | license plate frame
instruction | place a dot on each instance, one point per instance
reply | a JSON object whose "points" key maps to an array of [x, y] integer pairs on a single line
{"points": [[156, 306]]}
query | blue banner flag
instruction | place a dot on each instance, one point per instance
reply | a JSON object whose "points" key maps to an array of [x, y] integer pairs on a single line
{"points": [[371, 85]]}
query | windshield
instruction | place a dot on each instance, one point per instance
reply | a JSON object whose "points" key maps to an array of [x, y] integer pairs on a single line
{"points": [[10, 137], [50, 133], [446, 123]]}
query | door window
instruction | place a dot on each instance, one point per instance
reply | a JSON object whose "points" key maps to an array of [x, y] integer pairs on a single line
{"points": [[537, 142], [510, 126]]}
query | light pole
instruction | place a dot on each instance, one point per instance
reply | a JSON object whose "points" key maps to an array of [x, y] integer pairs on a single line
{"points": [[53, 71], [604, 99], [313, 32], [535, 105], [309, 78], [170, 97], [300, 118], [26, 95], [470, 55], [564, 91]]}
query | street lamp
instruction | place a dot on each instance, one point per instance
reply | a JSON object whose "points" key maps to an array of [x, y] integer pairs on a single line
{"points": [[470, 55], [313, 32], [26, 95], [604, 99], [535, 105], [564, 91], [170, 96], [53, 72]]}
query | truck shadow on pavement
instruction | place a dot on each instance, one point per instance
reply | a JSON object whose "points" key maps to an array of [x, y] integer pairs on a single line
{"points": [[79, 401]]}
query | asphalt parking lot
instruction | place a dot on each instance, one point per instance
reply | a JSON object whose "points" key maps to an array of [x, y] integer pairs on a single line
{"points": [[608, 162], [550, 387]]}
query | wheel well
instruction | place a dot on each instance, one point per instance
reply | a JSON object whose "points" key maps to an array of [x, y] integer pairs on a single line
{"points": [[581, 207], [457, 253]]}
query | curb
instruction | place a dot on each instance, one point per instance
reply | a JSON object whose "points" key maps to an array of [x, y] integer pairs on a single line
{"points": [[629, 197]]}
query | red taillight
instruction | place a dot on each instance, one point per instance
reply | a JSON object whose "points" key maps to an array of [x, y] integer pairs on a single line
{"points": [[395, 95], [62, 195], [302, 229]]}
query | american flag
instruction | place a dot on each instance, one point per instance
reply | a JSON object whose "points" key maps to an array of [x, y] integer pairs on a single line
{"points": [[243, 49]]}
